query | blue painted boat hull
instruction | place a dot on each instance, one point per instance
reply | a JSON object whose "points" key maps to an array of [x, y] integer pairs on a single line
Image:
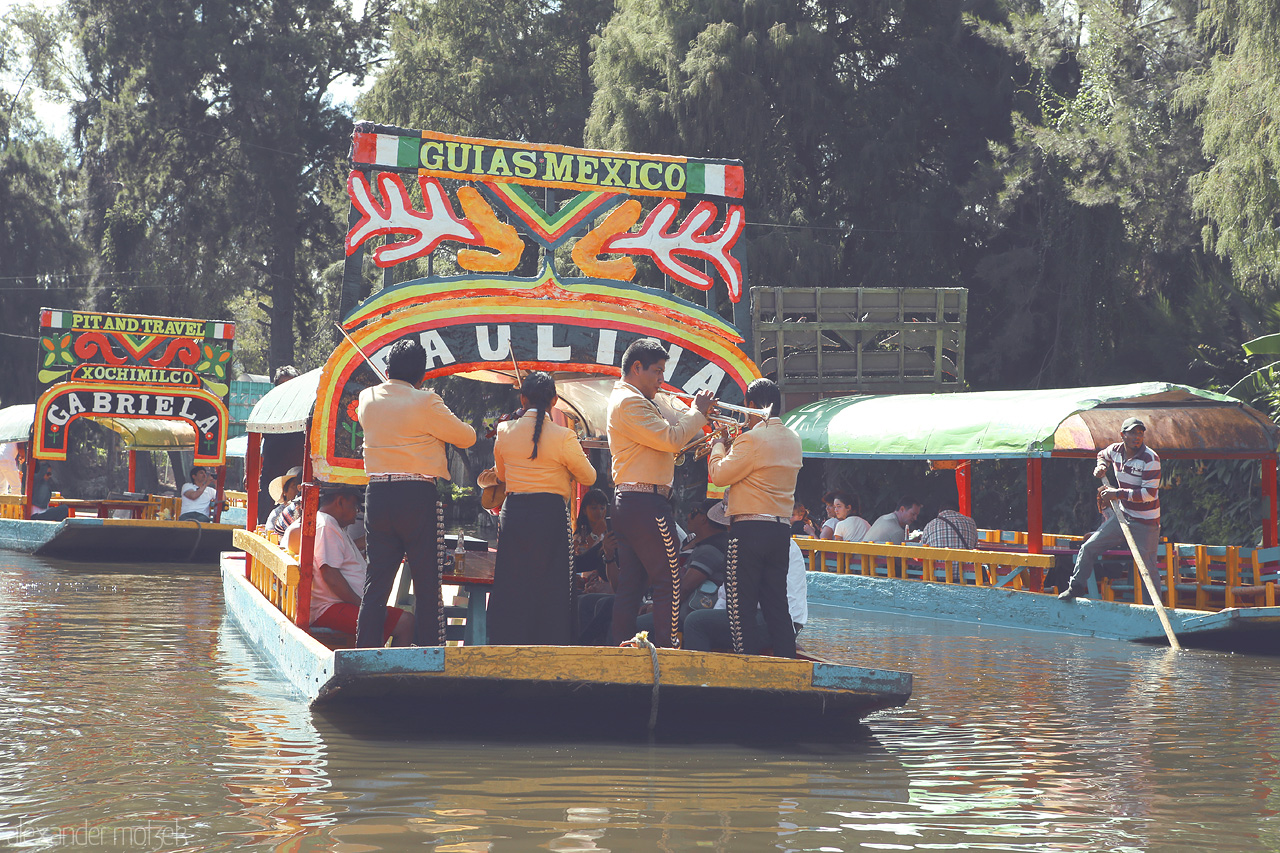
{"points": [[1246, 629], [538, 690], [117, 540]]}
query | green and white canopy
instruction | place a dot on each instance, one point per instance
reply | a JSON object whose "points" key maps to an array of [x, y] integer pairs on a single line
{"points": [[1181, 422]]}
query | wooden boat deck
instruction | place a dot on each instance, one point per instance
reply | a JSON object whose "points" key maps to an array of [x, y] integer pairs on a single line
{"points": [[544, 689]]}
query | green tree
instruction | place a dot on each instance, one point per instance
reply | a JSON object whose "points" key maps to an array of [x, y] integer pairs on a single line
{"points": [[208, 134], [856, 122], [39, 251], [1238, 96], [1092, 259], [511, 69]]}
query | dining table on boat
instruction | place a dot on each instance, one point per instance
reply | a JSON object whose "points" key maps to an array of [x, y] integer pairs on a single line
{"points": [[102, 508], [476, 579]]}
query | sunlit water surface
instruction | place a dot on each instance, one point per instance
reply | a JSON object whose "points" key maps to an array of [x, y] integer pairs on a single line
{"points": [[134, 717]]}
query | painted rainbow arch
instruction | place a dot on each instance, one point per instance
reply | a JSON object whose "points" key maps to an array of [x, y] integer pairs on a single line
{"points": [[543, 325]]}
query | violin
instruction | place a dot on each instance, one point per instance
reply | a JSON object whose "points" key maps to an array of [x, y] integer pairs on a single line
{"points": [[510, 416]]}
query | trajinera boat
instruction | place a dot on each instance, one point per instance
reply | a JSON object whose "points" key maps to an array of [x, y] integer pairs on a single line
{"points": [[1217, 596], [507, 311], [158, 383]]}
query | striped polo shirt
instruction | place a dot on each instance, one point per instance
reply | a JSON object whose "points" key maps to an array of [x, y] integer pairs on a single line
{"points": [[1138, 479]]}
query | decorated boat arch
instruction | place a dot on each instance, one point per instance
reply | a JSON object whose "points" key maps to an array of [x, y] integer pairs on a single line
{"points": [[118, 368], [158, 383], [612, 245], [534, 288]]}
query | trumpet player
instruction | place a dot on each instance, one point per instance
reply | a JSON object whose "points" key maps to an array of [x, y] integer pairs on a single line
{"points": [[644, 439], [761, 465]]}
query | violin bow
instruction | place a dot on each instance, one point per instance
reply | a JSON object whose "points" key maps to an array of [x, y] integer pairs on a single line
{"points": [[516, 367], [366, 358]]}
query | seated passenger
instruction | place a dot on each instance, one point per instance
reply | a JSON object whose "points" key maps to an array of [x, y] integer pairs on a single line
{"points": [[892, 526], [198, 496], [42, 496], [595, 561], [708, 630], [10, 469], [950, 529], [339, 570], [828, 529], [801, 523], [850, 527], [285, 490]]}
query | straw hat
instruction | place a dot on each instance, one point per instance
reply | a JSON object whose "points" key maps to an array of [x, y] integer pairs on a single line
{"points": [[276, 486], [492, 490], [720, 512]]}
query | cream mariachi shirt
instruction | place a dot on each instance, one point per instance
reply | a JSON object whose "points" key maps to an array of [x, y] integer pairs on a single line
{"points": [[645, 435], [560, 461], [761, 466]]}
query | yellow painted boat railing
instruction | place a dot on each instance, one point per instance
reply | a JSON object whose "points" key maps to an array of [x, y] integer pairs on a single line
{"points": [[920, 562], [1198, 577], [277, 574], [11, 506]]}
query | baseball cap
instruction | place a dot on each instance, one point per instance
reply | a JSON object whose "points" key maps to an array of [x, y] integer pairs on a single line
{"points": [[1132, 423]]}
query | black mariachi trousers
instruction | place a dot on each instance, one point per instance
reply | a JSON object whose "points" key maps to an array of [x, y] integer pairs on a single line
{"points": [[647, 557], [405, 521], [756, 575]]}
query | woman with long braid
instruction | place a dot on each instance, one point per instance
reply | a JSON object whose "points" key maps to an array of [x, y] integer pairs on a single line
{"points": [[532, 598]]}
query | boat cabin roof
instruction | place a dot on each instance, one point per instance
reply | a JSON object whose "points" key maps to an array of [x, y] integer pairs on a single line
{"points": [[1067, 422], [286, 407], [137, 433]]}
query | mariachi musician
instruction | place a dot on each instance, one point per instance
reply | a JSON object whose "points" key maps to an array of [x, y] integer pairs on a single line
{"points": [[531, 602], [406, 429], [761, 465], [644, 444]]}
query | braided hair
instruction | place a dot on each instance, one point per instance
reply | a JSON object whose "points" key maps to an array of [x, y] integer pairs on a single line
{"points": [[539, 389]]}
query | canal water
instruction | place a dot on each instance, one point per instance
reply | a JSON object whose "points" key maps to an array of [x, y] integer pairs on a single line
{"points": [[134, 717]]}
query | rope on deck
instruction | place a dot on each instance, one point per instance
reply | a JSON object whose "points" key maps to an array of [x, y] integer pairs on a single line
{"points": [[196, 545], [641, 640]]}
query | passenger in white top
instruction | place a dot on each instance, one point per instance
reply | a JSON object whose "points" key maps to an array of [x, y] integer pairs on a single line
{"points": [[10, 476], [849, 526], [197, 496], [892, 526]]}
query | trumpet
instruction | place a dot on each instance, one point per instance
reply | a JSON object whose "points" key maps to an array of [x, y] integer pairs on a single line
{"points": [[743, 413], [701, 446]]}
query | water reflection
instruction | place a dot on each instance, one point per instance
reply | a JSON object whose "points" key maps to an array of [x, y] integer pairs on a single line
{"points": [[129, 708]]}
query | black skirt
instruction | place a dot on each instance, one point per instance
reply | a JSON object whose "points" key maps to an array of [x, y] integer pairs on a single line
{"points": [[531, 602]]}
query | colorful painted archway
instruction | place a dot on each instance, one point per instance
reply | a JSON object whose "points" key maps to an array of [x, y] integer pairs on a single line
{"points": [[485, 324]]}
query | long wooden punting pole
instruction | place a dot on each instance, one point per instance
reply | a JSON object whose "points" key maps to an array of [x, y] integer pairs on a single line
{"points": [[1146, 576], [1269, 492], [366, 358]]}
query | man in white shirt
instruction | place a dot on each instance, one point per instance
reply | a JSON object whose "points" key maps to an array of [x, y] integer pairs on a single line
{"points": [[892, 526], [339, 570]]}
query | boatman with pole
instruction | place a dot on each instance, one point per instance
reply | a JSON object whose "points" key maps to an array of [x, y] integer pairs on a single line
{"points": [[1137, 489], [406, 429], [644, 440], [761, 465]]}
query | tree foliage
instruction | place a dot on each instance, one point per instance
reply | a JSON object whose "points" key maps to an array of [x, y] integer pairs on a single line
{"points": [[857, 122], [1237, 97], [208, 134], [39, 253], [1092, 246]]}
